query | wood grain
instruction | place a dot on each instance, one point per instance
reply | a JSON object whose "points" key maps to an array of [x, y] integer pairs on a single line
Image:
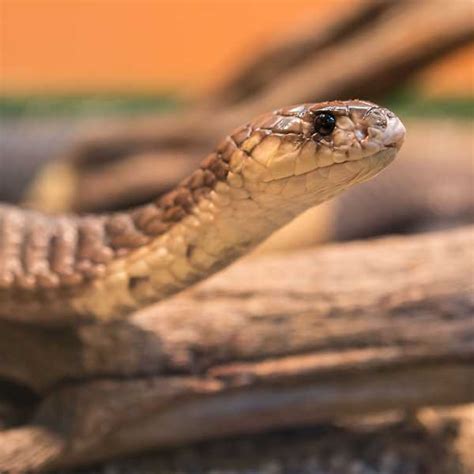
{"points": [[270, 343]]}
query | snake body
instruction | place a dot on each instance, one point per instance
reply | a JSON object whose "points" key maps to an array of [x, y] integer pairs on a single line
{"points": [[258, 179]]}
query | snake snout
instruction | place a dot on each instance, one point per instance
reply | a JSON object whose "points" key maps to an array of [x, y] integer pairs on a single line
{"points": [[394, 133], [385, 127]]}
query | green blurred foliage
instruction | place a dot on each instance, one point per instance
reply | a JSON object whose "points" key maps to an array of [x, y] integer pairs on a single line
{"points": [[405, 103], [86, 105], [408, 103]]}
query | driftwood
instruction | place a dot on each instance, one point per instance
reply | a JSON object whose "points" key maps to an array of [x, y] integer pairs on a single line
{"points": [[436, 442], [270, 343], [384, 445]]}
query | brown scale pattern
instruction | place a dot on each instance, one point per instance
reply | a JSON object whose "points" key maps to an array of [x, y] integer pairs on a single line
{"points": [[155, 219], [44, 252]]}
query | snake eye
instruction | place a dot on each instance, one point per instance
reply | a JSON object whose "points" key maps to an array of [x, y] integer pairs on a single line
{"points": [[324, 123]]}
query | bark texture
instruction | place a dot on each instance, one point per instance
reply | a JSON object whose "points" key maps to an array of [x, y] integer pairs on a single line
{"points": [[383, 445], [270, 343]]}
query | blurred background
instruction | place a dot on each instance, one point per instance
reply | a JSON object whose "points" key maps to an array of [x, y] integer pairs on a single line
{"points": [[54, 47]]}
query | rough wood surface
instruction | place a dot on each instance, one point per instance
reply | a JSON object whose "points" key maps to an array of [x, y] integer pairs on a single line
{"points": [[270, 343]]}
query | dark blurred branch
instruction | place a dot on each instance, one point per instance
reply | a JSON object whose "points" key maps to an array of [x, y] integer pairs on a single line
{"points": [[281, 341], [379, 59], [295, 48]]}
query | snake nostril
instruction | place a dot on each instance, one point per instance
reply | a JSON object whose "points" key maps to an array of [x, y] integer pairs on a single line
{"points": [[377, 116], [394, 133]]}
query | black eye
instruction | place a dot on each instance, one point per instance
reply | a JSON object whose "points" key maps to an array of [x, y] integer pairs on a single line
{"points": [[324, 123]]}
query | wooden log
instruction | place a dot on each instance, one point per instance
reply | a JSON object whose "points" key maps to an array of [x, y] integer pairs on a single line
{"points": [[271, 343], [280, 297], [383, 444]]}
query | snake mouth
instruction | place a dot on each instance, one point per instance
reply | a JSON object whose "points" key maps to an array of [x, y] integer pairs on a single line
{"points": [[354, 171], [357, 163]]}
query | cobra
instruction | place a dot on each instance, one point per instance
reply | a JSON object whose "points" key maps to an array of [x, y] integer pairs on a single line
{"points": [[258, 179]]}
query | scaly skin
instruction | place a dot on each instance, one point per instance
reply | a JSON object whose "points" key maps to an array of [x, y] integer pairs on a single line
{"points": [[258, 179]]}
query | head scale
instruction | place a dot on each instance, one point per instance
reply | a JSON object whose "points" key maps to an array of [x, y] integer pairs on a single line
{"points": [[317, 147]]}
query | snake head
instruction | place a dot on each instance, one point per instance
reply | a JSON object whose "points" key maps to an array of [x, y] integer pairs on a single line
{"points": [[317, 147]]}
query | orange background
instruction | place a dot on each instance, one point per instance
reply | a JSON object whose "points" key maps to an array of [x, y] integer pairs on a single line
{"points": [[130, 45]]}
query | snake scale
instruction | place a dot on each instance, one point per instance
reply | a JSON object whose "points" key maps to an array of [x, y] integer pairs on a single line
{"points": [[257, 180]]}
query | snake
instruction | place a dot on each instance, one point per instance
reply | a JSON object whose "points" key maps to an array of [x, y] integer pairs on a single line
{"points": [[260, 177]]}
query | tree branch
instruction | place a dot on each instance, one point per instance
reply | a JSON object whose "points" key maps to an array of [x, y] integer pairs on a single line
{"points": [[274, 342]]}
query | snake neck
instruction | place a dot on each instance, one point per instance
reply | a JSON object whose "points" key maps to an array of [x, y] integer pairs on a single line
{"points": [[257, 180], [223, 225], [105, 266]]}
